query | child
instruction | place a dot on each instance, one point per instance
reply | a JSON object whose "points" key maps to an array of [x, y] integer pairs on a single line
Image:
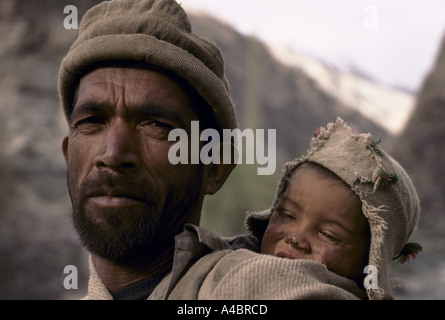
{"points": [[318, 217], [360, 201], [342, 212]]}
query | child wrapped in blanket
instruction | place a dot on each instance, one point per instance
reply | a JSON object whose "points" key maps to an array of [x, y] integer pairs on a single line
{"points": [[342, 213]]}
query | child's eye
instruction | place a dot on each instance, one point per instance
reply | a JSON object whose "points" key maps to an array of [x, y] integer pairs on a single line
{"points": [[284, 214], [330, 237]]}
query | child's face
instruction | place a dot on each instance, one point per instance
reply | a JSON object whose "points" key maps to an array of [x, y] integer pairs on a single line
{"points": [[319, 218]]}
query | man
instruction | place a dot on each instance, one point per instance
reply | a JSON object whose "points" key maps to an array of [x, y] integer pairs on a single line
{"points": [[136, 72]]}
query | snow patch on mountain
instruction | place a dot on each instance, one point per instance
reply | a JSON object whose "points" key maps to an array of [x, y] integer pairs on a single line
{"points": [[388, 107]]}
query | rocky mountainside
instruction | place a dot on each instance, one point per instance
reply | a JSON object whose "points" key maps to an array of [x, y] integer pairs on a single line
{"points": [[36, 237], [421, 146], [421, 149], [388, 107], [271, 94]]}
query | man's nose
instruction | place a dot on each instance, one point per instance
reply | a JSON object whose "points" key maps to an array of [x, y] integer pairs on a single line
{"points": [[119, 150]]}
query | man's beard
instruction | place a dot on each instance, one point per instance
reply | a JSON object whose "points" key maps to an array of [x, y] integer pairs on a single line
{"points": [[137, 233]]}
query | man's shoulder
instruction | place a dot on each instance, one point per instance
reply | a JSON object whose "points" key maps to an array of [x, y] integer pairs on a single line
{"points": [[244, 241], [196, 234]]}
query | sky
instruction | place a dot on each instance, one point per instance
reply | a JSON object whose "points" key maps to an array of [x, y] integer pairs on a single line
{"points": [[393, 41]]}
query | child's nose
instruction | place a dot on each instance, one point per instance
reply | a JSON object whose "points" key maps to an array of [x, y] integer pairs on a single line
{"points": [[299, 242]]}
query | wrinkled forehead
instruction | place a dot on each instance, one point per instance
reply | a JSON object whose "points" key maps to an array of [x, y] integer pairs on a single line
{"points": [[145, 83], [133, 87], [131, 77]]}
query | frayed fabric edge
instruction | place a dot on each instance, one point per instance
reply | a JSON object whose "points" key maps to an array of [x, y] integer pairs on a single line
{"points": [[377, 226]]}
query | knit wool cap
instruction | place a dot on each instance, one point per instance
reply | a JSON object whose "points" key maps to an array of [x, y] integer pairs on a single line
{"points": [[389, 199], [156, 32]]}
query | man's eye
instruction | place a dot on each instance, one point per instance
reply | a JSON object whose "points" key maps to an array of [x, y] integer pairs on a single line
{"points": [[156, 129], [156, 126], [94, 120], [89, 123], [161, 124]]}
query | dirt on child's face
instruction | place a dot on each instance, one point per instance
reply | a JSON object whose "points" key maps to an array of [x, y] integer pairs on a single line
{"points": [[319, 218]]}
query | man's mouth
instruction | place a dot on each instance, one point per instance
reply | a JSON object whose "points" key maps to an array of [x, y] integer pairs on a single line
{"points": [[114, 201], [113, 198]]}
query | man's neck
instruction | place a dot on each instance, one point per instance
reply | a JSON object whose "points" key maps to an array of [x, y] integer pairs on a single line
{"points": [[116, 275]]}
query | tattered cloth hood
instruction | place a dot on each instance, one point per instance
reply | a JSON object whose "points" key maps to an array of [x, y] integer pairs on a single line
{"points": [[389, 199]]}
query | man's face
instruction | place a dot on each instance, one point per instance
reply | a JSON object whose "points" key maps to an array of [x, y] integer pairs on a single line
{"points": [[126, 196], [319, 218]]}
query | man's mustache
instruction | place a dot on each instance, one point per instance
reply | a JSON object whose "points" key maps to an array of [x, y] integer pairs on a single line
{"points": [[106, 184]]}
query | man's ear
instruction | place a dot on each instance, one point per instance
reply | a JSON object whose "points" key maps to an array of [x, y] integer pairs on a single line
{"points": [[65, 149], [217, 173]]}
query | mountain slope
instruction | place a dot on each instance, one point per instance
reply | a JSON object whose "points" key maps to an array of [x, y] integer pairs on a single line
{"points": [[421, 149], [271, 94], [387, 107]]}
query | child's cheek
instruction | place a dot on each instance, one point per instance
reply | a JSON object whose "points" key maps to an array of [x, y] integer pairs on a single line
{"points": [[333, 259], [272, 237]]}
